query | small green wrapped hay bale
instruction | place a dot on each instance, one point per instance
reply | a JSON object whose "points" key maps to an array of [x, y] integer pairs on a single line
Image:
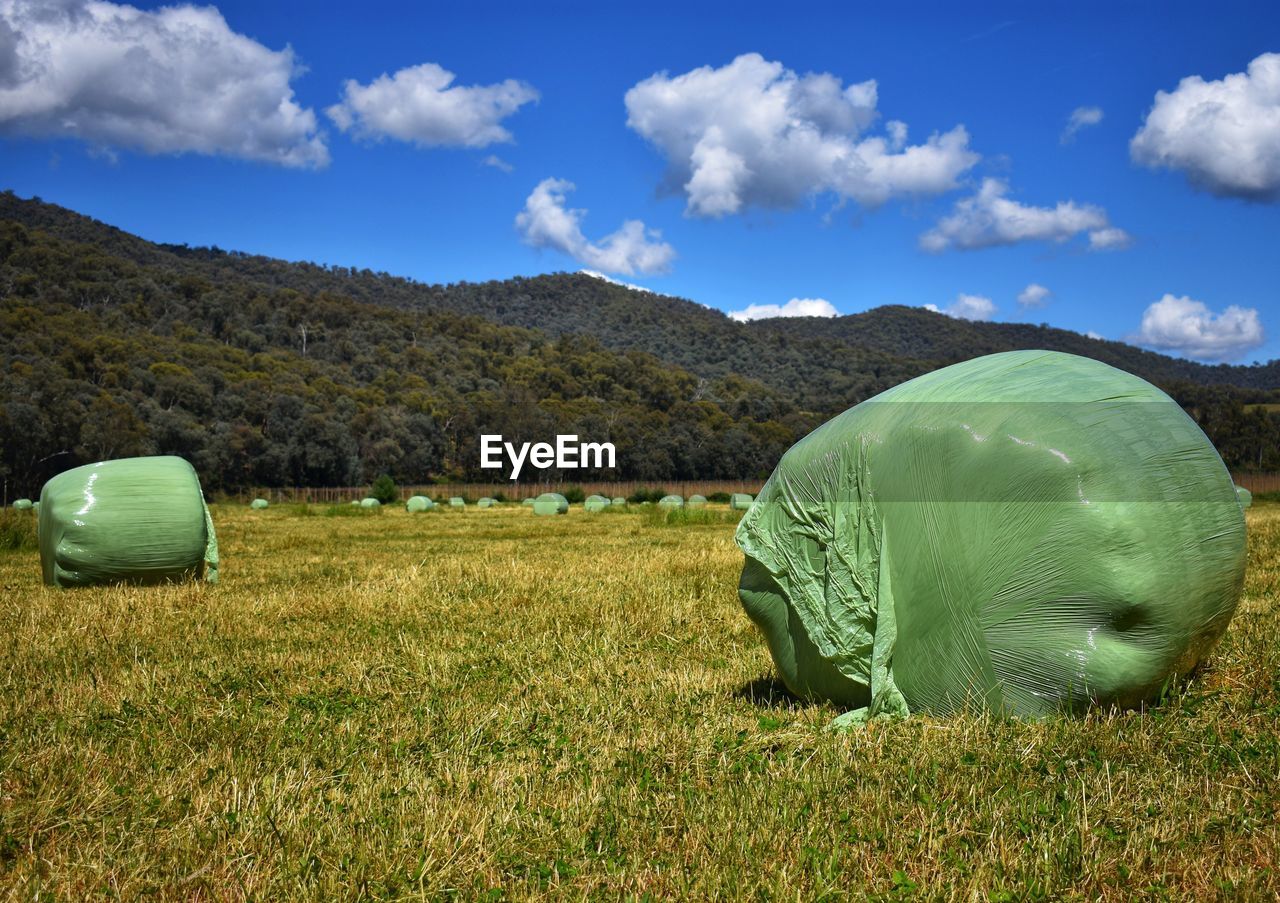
{"points": [[671, 501], [356, 502], [370, 502], [486, 502], [595, 503], [618, 502], [457, 501], [418, 503], [528, 502], [697, 501], [1023, 533], [740, 501], [22, 505], [551, 503], [259, 504], [1245, 496], [134, 520]]}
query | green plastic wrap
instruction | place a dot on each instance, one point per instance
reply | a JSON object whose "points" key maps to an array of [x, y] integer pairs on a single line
{"points": [[486, 502], [135, 520], [1023, 533], [740, 501], [355, 502], [457, 502], [595, 503], [22, 505], [418, 503], [259, 504], [671, 501], [697, 501], [1245, 496], [618, 502], [551, 503], [528, 503], [370, 503]]}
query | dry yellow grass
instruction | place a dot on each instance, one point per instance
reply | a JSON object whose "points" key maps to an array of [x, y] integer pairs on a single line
{"points": [[494, 705]]}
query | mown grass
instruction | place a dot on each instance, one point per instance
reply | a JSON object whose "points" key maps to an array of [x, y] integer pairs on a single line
{"points": [[495, 705]]}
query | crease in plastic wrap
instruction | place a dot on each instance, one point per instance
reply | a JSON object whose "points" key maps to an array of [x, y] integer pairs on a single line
{"points": [[1022, 533], [132, 520]]}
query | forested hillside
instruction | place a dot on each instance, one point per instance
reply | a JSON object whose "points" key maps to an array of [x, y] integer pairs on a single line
{"points": [[264, 372]]}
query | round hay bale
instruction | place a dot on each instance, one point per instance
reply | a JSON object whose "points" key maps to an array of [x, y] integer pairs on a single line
{"points": [[22, 505], [259, 504], [1245, 496], [486, 502], [418, 503], [697, 501], [740, 501], [671, 501], [370, 502], [134, 520], [1012, 534], [551, 503], [618, 502], [528, 502], [457, 502], [595, 503]]}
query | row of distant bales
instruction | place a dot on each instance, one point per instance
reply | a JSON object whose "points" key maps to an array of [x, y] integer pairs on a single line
{"points": [[549, 503], [144, 520]]}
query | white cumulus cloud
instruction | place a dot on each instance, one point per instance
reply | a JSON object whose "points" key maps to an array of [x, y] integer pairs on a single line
{"points": [[1223, 135], [754, 133], [1081, 117], [1188, 327], [967, 307], [988, 218], [169, 81], [546, 222], [796, 307], [421, 104], [1034, 295]]}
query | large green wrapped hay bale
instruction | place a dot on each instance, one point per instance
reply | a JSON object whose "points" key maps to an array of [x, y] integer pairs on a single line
{"points": [[697, 501], [618, 502], [1244, 496], [418, 503], [671, 501], [528, 503], [22, 505], [457, 502], [135, 520], [370, 502], [551, 503], [740, 501], [259, 504], [595, 503], [1023, 533]]}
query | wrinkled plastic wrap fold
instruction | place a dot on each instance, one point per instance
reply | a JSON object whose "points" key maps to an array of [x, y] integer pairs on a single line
{"points": [[134, 520], [1022, 533]]}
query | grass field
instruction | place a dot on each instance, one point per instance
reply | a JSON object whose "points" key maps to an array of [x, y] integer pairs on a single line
{"points": [[491, 705]]}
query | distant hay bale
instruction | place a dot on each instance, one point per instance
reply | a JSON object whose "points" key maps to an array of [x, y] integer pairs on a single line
{"points": [[596, 503], [134, 520], [355, 502], [671, 501], [259, 504], [1245, 496], [697, 501], [418, 503], [740, 501], [551, 503], [618, 502], [22, 505], [486, 502], [457, 502], [370, 502], [528, 502]]}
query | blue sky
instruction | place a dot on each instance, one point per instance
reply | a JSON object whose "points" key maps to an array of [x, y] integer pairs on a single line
{"points": [[183, 139]]}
